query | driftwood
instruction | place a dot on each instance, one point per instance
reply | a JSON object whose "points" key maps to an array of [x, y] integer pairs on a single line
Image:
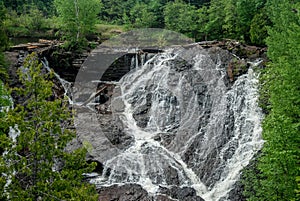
{"points": [[35, 46]]}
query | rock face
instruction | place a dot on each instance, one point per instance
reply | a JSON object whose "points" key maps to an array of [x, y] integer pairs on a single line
{"points": [[128, 192], [179, 120], [180, 141], [134, 192], [182, 194]]}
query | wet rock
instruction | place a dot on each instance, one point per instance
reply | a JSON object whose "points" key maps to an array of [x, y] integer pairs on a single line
{"points": [[164, 138], [236, 68], [141, 116], [113, 129], [236, 193], [134, 192], [127, 192], [180, 64], [117, 105], [181, 194], [171, 176], [164, 198], [108, 138], [140, 113]]}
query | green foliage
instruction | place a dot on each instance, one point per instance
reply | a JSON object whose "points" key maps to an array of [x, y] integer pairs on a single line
{"points": [[216, 16], [184, 20], [279, 164], [230, 19], [77, 18], [5, 100], [35, 162], [26, 24], [234, 18], [3, 42], [141, 16], [3, 37], [5, 104], [258, 28], [245, 11], [35, 19], [202, 21], [251, 178], [113, 10], [116, 12], [23, 6]]}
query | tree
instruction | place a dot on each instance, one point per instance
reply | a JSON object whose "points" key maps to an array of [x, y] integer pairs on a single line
{"points": [[22, 6], [77, 17], [35, 163], [216, 16], [184, 20], [258, 28], [35, 19], [251, 21], [230, 22], [279, 163], [5, 103], [234, 18], [3, 41], [141, 16], [197, 3]]}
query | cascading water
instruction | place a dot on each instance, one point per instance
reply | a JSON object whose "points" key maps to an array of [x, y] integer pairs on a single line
{"points": [[67, 86], [191, 126]]}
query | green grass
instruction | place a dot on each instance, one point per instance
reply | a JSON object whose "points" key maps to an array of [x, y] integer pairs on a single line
{"points": [[107, 30]]}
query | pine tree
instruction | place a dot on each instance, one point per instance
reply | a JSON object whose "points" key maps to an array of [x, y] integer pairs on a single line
{"points": [[278, 165], [37, 167]]}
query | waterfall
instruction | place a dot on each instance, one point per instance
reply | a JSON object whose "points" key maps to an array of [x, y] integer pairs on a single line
{"points": [[191, 126], [67, 86]]}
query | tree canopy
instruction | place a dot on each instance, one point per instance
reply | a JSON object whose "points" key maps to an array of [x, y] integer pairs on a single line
{"points": [[278, 167], [77, 17]]}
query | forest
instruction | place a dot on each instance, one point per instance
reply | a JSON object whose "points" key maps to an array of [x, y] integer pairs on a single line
{"points": [[28, 164]]}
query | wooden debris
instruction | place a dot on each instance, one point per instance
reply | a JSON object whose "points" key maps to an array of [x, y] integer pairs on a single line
{"points": [[42, 43]]}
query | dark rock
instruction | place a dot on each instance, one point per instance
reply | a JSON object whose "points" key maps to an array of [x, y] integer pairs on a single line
{"points": [[164, 138], [171, 176], [181, 194], [114, 131], [134, 192], [236, 194], [127, 192], [180, 64], [141, 115], [99, 166], [164, 198], [236, 68]]}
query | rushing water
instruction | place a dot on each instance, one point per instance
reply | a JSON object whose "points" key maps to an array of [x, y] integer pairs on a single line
{"points": [[191, 127], [67, 86]]}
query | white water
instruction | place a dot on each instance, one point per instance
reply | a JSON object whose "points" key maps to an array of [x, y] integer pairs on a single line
{"points": [[67, 86], [247, 134], [177, 102]]}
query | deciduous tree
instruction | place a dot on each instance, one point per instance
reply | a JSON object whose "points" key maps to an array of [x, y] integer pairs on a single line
{"points": [[184, 20], [77, 17]]}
